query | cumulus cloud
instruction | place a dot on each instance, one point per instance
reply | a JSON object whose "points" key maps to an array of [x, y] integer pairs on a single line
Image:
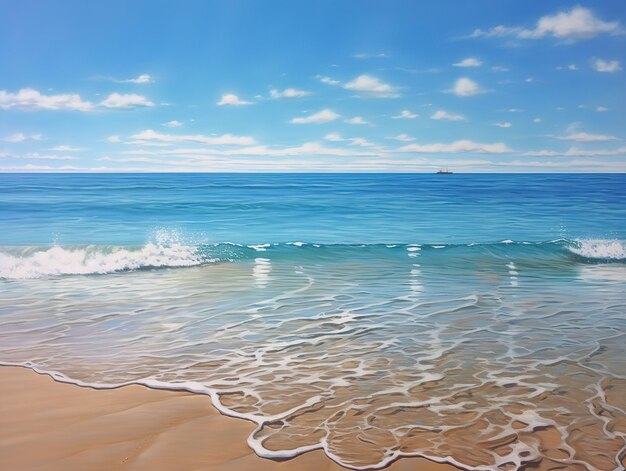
{"points": [[587, 137], [537, 120], [21, 137], [114, 139], [232, 100], [466, 87], [355, 141], [225, 139], [446, 116], [324, 116], [606, 66], [568, 26], [405, 114], [357, 120], [173, 124], [457, 146], [468, 62], [288, 93], [371, 86], [506, 124], [130, 100], [31, 99], [602, 109]]}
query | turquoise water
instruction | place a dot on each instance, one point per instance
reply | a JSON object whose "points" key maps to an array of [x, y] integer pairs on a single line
{"points": [[454, 317]]}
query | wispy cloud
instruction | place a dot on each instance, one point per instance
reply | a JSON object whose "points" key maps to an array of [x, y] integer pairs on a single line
{"points": [[21, 137], [402, 138], [143, 78], [576, 152], [446, 116], [288, 93], [505, 124], [587, 137], [468, 62], [66, 149], [225, 139], [172, 124], [458, 146], [572, 25], [324, 116], [359, 120]]}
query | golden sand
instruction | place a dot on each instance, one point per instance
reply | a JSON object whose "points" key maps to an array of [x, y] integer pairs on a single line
{"points": [[46, 425]]}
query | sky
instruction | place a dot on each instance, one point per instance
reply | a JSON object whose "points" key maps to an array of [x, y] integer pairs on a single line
{"points": [[312, 86]]}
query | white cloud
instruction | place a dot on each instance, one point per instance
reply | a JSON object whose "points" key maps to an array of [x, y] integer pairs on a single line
{"points": [[21, 137], [606, 66], [506, 124], [575, 24], [328, 80], [354, 141], [334, 137], [288, 93], [357, 120], [537, 120], [601, 109], [130, 100], [143, 78], [576, 152], [325, 116], [457, 146], [232, 100], [444, 115], [514, 110], [403, 138], [466, 87], [568, 67], [405, 114], [66, 149], [499, 68], [364, 55], [114, 139], [587, 137], [173, 124], [469, 62], [371, 86], [31, 99], [224, 139]]}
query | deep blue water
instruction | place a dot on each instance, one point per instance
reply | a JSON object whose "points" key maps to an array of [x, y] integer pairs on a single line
{"points": [[120, 209]]}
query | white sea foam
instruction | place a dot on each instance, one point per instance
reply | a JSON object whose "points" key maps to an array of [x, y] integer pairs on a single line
{"points": [[600, 249], [94, 260]]}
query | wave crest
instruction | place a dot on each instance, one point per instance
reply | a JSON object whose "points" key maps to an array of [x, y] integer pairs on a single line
{"points": [[95, 260], [599, 249]]}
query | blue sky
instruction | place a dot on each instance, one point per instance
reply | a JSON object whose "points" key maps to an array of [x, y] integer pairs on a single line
{"points": [[310, 86]]}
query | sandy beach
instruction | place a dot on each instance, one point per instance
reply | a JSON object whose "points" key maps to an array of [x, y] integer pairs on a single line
{"points": [[55, 426]]}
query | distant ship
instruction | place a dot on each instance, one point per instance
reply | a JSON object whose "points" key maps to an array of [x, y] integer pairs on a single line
{"points": [[444, 172]]}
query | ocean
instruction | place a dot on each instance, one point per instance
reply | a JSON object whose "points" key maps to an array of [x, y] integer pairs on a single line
{"points": [[473, 319]]}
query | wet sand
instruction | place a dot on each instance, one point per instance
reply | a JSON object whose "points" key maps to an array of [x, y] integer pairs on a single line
{"points": [[46, 425]]}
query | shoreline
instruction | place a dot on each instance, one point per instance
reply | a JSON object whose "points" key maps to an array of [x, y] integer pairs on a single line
{"points": [[46, 424]]}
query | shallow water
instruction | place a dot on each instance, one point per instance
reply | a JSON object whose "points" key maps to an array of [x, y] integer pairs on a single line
{"points": [[485, 353]]}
